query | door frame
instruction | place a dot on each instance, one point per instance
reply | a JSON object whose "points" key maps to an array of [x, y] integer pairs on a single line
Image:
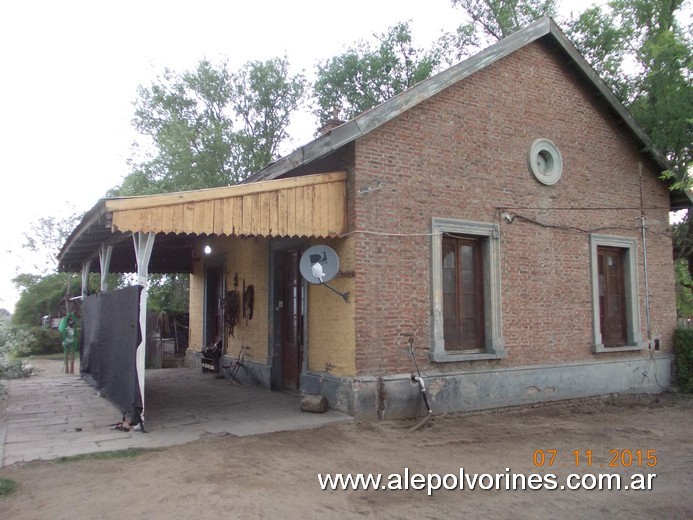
{"points": [[218, 264], [278, 247]]}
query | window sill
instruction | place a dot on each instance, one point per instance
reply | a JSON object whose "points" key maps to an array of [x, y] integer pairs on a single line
{"points": [[600, 349], [446, 357]]}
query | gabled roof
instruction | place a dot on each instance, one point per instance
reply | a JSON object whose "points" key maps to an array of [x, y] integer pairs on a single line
{"points": [[543, 29]]}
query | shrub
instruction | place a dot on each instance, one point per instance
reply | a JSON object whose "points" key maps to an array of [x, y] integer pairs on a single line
{"points": [[10, 368], [683, 359], [14, 369], [32, 341], [16, 343]]}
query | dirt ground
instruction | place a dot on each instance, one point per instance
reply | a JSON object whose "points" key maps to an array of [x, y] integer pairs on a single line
{"points": [[276, 475]]}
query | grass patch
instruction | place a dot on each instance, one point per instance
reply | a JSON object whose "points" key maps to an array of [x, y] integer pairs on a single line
{"points": [[128, 453], [7, 487]]}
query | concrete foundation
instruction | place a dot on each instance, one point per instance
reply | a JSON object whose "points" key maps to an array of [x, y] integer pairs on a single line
{"points": [[395, 397], [370, 398]]}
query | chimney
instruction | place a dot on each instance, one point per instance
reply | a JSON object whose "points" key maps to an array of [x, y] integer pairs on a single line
{"points": [[332, 123]]}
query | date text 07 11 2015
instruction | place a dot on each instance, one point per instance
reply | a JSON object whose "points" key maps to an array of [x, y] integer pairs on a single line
{"points": [[585, 458]]}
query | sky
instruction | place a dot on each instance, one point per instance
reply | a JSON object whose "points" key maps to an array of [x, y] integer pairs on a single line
{"points": [[70, 71]]}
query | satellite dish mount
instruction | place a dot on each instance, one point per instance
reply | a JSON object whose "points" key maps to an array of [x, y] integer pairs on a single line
{"points": [[318, 265]]}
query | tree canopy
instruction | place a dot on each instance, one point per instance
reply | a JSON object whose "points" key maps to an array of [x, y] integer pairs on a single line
{"points": [[210, 127], [646, 57], [46, 237], [493, 20], [41, 296], [370, 72]]}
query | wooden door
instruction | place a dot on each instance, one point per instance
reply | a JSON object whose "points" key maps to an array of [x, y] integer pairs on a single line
{"points": [[612, 299], [463, 294], [214, 294], [290, 291]]}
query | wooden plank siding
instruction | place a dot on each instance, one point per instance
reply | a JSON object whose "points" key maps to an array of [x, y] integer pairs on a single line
{"points": [[313, 205]]}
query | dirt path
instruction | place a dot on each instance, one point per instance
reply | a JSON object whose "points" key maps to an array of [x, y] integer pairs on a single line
{"points": [[276, 475]]}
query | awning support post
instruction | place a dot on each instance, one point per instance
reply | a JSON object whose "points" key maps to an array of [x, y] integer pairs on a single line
{"points": [[105, 262], [144, 244], [85, 278]]}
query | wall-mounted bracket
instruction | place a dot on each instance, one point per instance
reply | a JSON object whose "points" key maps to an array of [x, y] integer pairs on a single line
{"points": [[344, 295]]}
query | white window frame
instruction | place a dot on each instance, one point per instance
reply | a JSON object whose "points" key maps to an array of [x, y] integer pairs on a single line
{"points": [[631, 288], [490, 233]]}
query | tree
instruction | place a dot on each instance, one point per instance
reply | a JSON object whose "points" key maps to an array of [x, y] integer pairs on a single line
{"points": [[369, 73], [494, 20], [489, 21], [43, 290], [264, 96], [639, 49], [209, 127], [45, 239], [645, 56], [169, 292], [42, 295], [604, 44]]}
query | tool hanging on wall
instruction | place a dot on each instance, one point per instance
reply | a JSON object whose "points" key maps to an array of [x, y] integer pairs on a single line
{"points": [[248, 302], [416, 378], [231, 309]]}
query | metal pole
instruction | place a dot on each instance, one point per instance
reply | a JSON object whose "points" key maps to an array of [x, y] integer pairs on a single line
{"points": [[644, 261], [647, 286]]}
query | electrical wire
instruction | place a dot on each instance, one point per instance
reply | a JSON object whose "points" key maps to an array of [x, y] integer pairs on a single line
{"points": [[523, 218], [652, 361], [572, 208], [386, 234], [564, 227]]}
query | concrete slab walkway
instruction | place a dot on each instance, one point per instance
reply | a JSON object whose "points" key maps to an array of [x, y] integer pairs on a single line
{"points": [[55, 415]]}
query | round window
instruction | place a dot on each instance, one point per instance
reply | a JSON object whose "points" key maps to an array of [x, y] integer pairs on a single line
{"points": [[545, 161]]}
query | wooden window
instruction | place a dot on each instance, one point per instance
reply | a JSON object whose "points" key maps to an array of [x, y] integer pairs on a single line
{"points": [[463, 293], [615, 299], [612, 296], [466, 283]]}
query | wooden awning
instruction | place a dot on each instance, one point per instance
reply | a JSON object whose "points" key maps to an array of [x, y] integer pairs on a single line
{"points": [[313, 205], [307, 206]]}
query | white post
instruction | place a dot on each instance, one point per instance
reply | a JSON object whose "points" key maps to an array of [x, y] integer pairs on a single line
{"points": [[105, 261], [144, 243], [85, 278]]}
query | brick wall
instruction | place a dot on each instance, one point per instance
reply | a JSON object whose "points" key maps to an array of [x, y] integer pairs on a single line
{"points": [[462, 154]]}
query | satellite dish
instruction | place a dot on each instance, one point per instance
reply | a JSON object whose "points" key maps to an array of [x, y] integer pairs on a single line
{"points": [[319, 264]]}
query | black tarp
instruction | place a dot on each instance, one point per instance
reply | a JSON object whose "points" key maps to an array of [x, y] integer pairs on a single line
{"points": [[111, 333]]}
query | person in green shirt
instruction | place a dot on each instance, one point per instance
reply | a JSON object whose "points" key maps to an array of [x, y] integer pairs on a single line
{"points": [[70, 336]]}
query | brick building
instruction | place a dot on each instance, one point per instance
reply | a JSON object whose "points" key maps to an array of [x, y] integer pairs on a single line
{"points": [[505, 217]]}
